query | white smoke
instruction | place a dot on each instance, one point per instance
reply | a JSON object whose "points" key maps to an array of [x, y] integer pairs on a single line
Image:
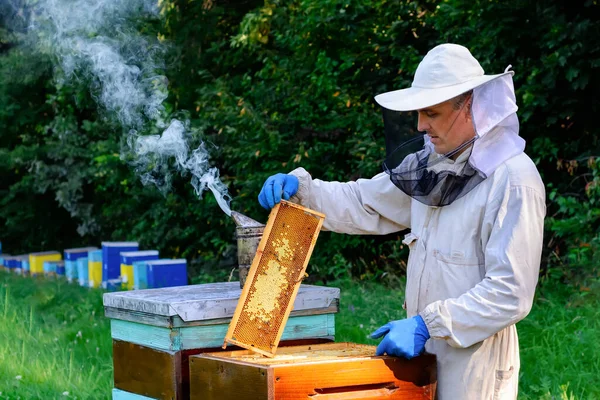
{"points": [[95, 40]]}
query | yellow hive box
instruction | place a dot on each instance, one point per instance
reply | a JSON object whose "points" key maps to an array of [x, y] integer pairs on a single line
{"points": [[274, 278], [95, 268], [36, 260]]}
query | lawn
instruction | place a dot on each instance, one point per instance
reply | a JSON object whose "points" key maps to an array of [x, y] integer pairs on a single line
{"points": [[55, 342]]}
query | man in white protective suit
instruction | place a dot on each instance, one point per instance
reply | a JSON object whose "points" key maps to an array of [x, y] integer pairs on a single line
{"points": [[475, 205]]}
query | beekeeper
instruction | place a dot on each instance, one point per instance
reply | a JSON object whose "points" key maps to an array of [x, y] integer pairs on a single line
{"points": [[474, 203]]}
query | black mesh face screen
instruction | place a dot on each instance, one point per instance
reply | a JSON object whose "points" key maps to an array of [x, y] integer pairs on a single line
{"points": [[418, 171], [399, 127]]}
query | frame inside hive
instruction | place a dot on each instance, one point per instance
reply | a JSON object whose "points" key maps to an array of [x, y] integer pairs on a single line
{"points": [[274, 278]]}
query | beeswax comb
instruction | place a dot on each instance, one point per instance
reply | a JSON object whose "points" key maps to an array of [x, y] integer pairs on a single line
{"points": [[274, 278]]}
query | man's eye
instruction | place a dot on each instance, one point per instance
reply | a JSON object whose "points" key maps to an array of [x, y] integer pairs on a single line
{"points": [[431, 114]]}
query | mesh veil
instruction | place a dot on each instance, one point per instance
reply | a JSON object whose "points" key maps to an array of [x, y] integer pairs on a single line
{"points": [[440, 179]]}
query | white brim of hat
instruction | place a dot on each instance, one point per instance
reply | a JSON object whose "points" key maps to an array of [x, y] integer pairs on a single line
{"points": [[418, 98]]}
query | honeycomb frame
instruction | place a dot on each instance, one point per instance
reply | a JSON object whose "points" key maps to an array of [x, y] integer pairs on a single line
{"points": [[277, 271]]}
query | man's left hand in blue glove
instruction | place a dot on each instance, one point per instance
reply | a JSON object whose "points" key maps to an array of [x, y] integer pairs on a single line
{"points": [[404, 338]]}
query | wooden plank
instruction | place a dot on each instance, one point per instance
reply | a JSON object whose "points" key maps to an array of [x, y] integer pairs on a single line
{"points": [[175, 321], [146, 371], [123, 395], [215, 380], [193, 337], [146, 335], [274, 278]]}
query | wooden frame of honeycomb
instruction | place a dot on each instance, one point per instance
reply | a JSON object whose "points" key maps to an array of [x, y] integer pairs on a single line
{"points": [[274, 278]]}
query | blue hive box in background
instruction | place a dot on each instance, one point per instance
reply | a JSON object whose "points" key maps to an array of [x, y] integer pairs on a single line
{"points": [[2, 257], [25, 265], [128, 258], [15, 264], [82, 270], [166, 273], [11, 263], [140, 275], [54, 268], [71, 257], [22, 259], [111, 262]]}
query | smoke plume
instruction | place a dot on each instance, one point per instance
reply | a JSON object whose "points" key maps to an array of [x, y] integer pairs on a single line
{"points": [[96, 40]]}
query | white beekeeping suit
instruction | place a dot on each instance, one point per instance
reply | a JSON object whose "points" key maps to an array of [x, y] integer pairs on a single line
{"points": [[474, 263]]}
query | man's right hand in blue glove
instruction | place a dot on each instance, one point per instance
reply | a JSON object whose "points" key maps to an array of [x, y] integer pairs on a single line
{"points": [[276, 187]]}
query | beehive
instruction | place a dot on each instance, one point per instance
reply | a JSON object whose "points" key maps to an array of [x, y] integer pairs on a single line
{"points": [[274, 278], [155, 331], [128, 258], [95, 268], [322, 371], [36, 260], [111, 262], [71, 257]]}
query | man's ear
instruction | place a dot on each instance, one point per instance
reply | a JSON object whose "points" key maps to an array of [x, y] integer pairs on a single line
{"points": [[469, 108]]}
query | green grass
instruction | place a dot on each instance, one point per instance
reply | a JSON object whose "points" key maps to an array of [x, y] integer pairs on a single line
{"points": [[40, 321], [559, 340], [54, 341]]}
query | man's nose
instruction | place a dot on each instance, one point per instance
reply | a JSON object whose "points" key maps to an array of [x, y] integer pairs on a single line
{"points": [[422, 124]]}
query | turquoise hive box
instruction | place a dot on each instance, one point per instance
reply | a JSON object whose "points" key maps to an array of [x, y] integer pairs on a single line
{"points": [[154, 331]]}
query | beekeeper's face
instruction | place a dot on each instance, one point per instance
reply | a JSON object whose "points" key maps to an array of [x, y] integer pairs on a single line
{"points": [[448, 124]]}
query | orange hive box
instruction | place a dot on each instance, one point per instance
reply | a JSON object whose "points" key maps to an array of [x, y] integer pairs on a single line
{"points": [[333, 371], [274, 278]]}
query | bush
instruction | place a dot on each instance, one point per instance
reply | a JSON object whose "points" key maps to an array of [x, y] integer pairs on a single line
{"points": [[271, 86]]}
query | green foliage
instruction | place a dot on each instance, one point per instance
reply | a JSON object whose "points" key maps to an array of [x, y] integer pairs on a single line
{"points": [[575, 242], [274, 85]]}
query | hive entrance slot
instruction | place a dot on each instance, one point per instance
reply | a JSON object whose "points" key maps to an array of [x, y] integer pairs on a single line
{"points": [[374, 390]]}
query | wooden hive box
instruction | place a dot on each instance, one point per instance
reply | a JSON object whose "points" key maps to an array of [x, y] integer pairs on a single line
{"points": [[155, 331], [340, 371]]}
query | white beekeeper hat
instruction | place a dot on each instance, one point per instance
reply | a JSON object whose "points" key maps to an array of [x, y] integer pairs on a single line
{"points": [[448, 70]]}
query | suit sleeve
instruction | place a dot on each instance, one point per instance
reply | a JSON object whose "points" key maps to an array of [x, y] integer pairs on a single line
{"points": [[367, 206]]}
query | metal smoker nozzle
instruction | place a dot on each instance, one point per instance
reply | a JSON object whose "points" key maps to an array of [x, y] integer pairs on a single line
{"points": [[244, 222]]}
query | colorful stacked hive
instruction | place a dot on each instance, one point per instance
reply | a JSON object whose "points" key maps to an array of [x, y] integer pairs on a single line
{"points": [[54, 268], [71, 257], [155, 331], [128, 258], [95, 268], [36, 261], [111, 262]]}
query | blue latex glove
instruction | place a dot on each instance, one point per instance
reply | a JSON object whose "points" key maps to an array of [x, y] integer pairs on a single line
{"points": [[275, 187], [404, 338]]}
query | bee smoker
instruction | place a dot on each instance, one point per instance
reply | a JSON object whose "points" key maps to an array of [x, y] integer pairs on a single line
{"points": [[248, 233]]}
